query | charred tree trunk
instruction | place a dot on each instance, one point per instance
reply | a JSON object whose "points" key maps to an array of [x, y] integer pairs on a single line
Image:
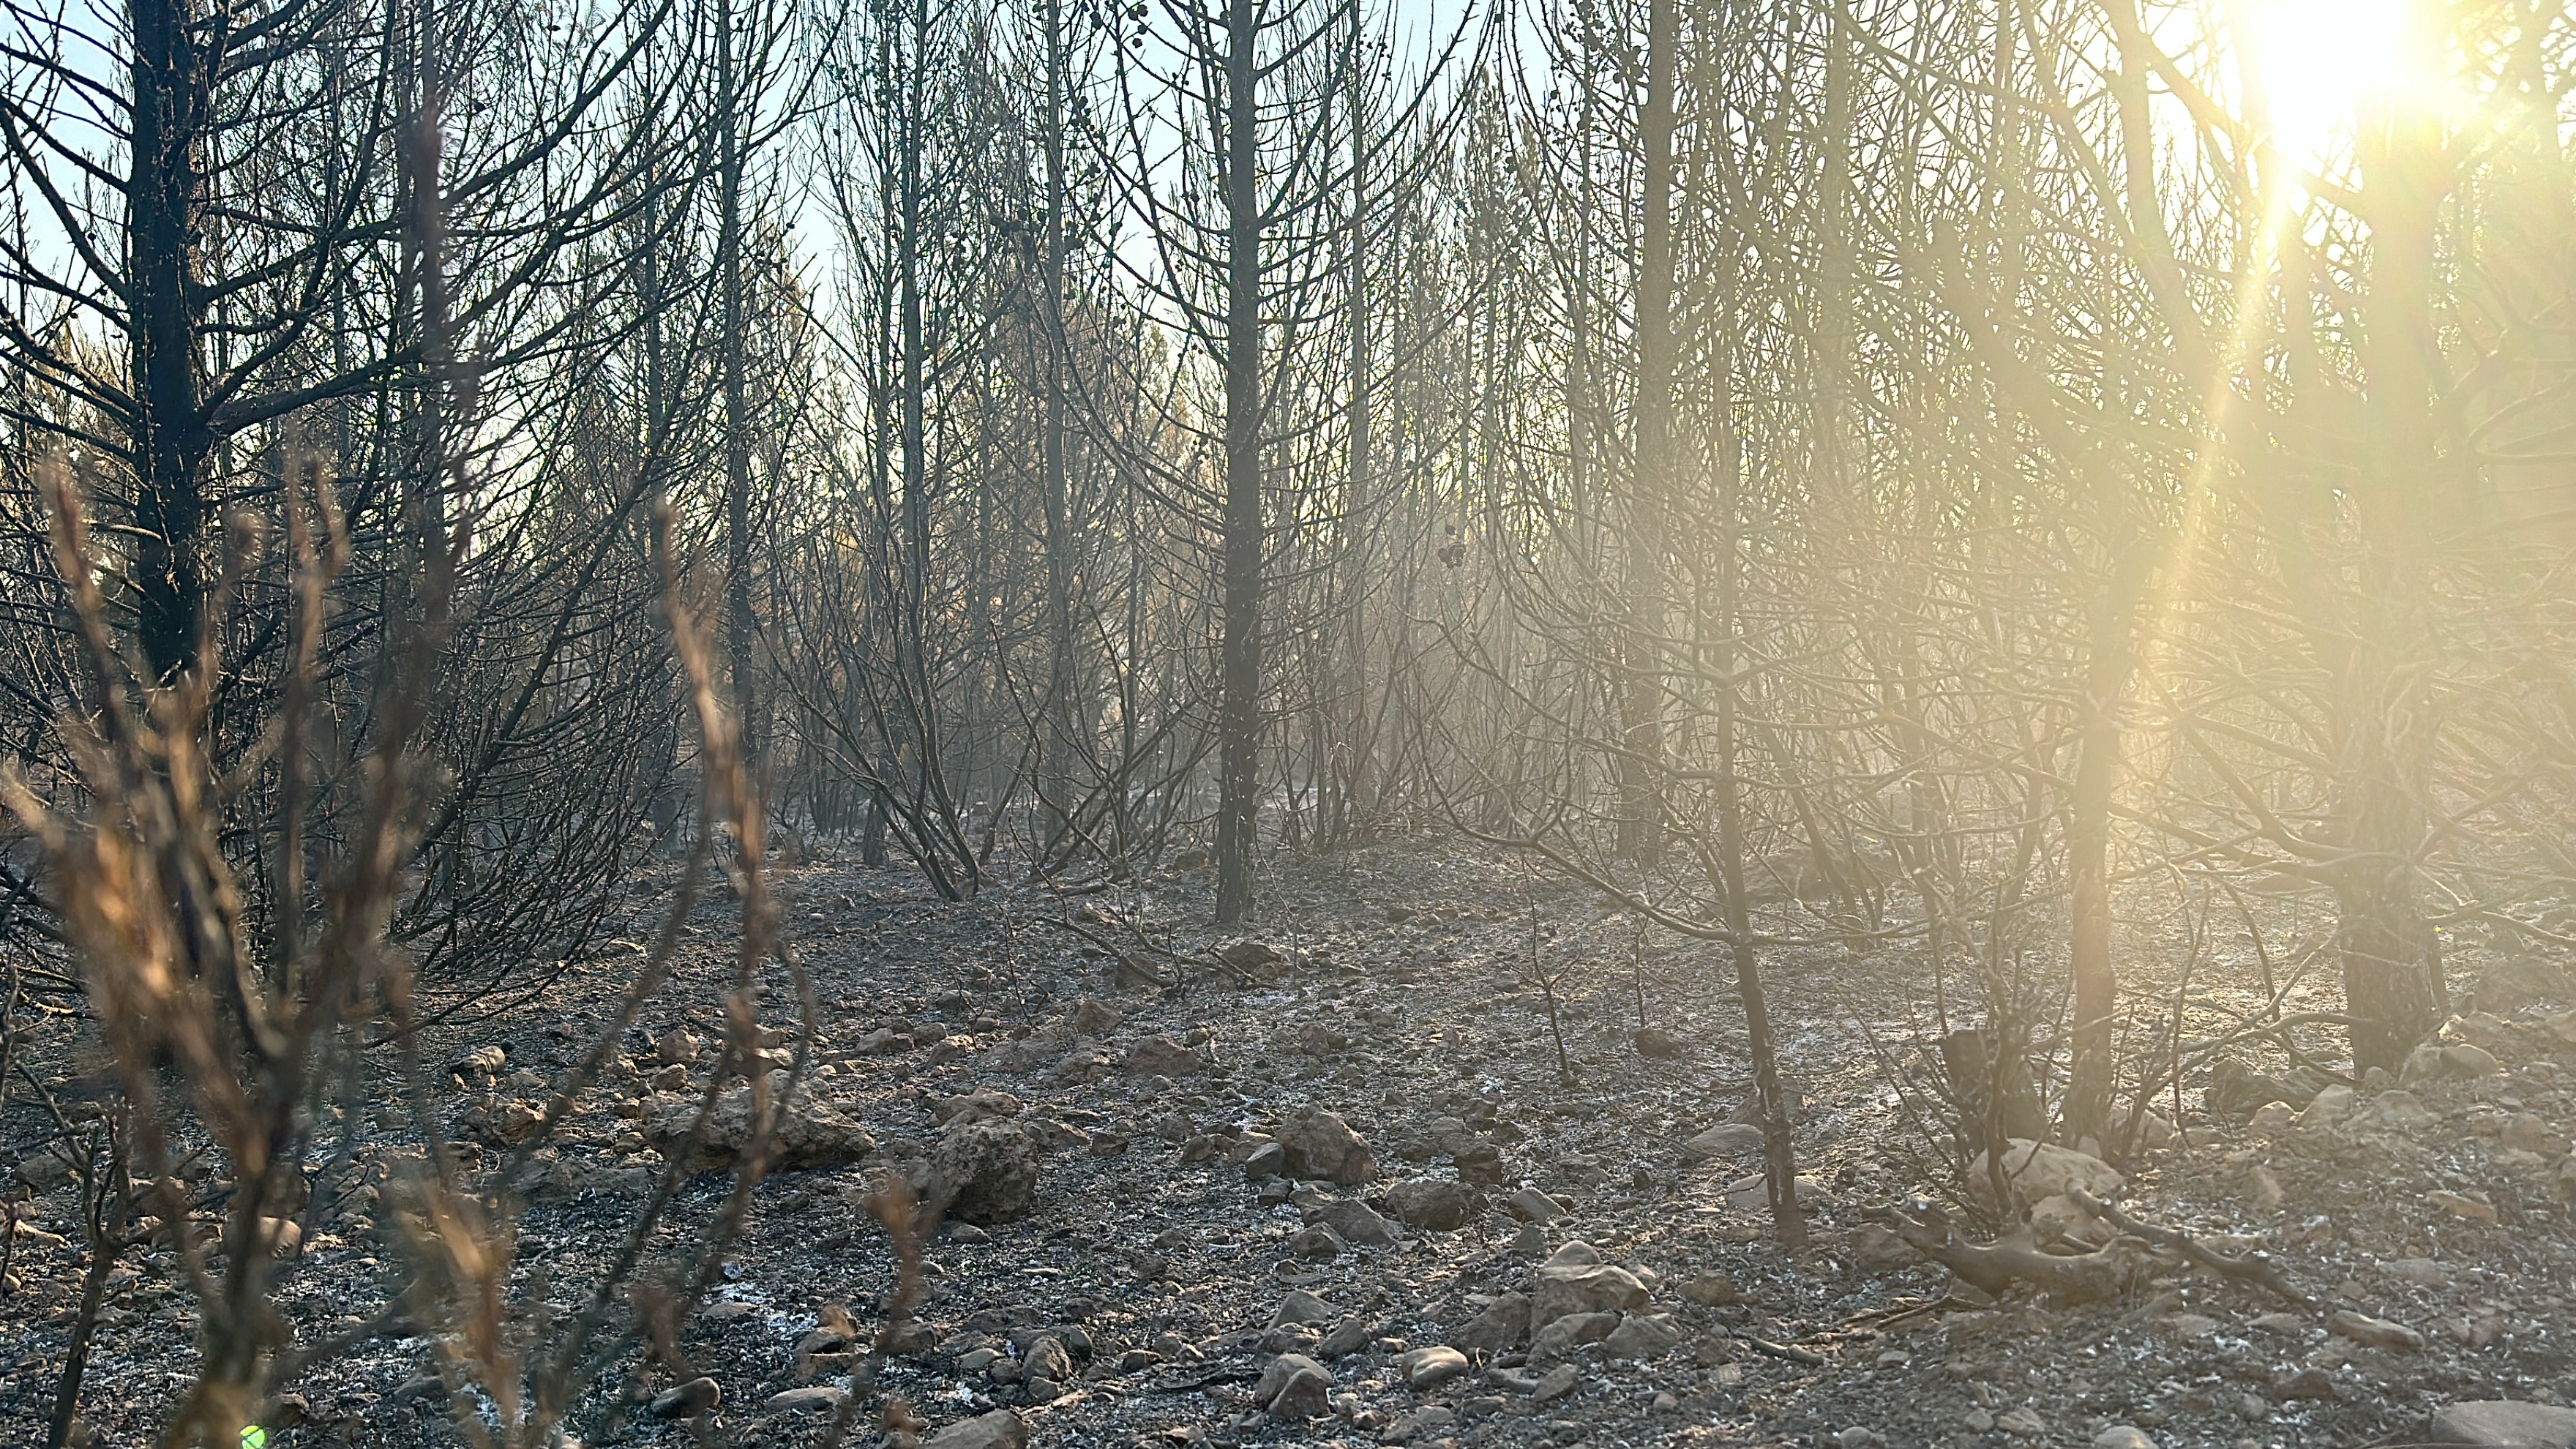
{"points": [[173, 75], [740, 625], [1239, 667]]}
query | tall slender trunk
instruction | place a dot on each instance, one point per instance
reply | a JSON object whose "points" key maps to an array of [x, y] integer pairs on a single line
{"points": [[1239, 685], [1357, 737], [173, 76], [1060, 746], [740, 625], [1723, 634], [2391, 959], [2110, 659], [1640, 831]]}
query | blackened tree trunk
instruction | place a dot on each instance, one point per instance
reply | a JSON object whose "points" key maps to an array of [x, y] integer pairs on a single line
{"points": [[174, 81], [741, 627], [1239, 666], [1060, 748]]}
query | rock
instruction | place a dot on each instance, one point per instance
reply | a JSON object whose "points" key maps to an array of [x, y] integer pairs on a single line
{"points": [[1266, 1159], [1000, 1429], [1357, 1222], [1430, 1202], [2122, 1436], [1315, 1244], [1046, 1359], [828, 1338], [2531, 1132], [1655, 1042], [1289, 1338], [1499, 1325], [1085, 1061], [2153, 1130], [1712, 1290], [1555, 1384], [483, 1061], [677, 1048], [2236, 1089], [2311, 1382], [1559, 1289], [2480, 1028], [2423, 1064], [1638, 1335], [807, 1134], [2022, 1423], [2036, 1170], [2497, 1423], [1276, 1373], [2372, 1332], [1530, 1241], [1533, 1206], [813, 1398], [2510, 986], [1160, 1056], [1874, 1250], [1431, 1366], [1480, 1165], [2328, 1107], [2397, 1111], [884, 1041], [983, 1106], [1562, 1336], [1319, 1145], [2288, 1325], [985, 1172], [687, 1401], [1255, 957], [2419, 1272], [1348, 1337], [2063, 1215], [1427, 1420], [2273, 1117], [1727, 1139], [1304, 1307], [1294, 1386], [2461, 1059], [2189, 1327], [2468, 1205], [1091, 1018]]}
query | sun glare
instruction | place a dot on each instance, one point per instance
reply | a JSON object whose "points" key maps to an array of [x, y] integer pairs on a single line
{"points": [[2319, 58]]}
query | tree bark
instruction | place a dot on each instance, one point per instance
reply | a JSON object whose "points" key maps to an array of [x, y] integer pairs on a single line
{"points": [[173, 75], [1640, 830], [1239, 707]]}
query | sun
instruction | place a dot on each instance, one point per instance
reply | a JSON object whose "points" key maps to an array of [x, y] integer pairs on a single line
{"points": [[2319, 59]]}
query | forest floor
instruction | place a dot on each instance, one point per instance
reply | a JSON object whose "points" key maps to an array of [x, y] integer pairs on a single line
{"points": [[1401, 999]]}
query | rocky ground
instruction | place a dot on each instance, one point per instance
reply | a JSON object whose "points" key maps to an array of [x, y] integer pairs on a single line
{"points": [[1328, 1187]]}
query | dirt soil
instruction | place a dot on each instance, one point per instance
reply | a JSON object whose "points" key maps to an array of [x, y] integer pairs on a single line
{"points": [[1396, 993]]}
